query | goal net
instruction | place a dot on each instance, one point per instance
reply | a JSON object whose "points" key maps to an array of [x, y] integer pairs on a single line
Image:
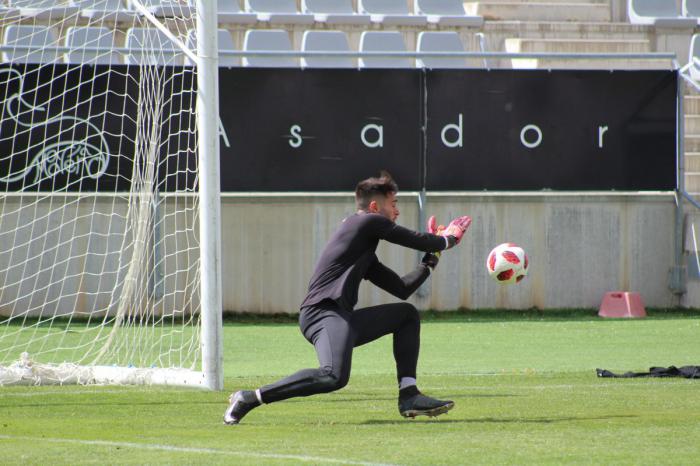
{"points": [[99, 183]]}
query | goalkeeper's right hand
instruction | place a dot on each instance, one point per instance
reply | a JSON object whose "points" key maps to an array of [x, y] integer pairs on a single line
{"points": [[457, 227]]}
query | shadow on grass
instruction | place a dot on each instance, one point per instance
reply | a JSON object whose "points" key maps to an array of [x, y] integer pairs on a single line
{"points": [[492, 420], [368, 397]]}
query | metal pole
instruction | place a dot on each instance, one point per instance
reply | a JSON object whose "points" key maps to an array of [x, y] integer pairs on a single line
{"points": [[424, 289], [677, 272], [209, 194], [156, 279]]}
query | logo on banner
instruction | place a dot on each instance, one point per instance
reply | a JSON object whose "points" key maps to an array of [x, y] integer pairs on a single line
{"points": [[72, 157]]}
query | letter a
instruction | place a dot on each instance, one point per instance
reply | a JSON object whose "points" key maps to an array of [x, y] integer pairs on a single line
{"points": [[380, 131]]}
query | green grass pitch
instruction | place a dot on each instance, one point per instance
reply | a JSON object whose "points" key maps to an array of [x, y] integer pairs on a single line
{"points": [[524, 384]]}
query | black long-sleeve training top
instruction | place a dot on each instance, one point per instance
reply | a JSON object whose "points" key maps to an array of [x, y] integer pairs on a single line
{"points": [[350, 257]]}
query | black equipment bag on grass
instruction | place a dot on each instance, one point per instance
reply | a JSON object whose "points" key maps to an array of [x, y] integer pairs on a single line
{"points": [[689, 372]]}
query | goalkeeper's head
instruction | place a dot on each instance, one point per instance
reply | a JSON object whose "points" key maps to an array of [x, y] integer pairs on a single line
{"points": [[378, 195]]}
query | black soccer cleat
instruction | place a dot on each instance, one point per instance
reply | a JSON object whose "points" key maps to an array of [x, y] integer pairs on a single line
{"points": [[241, 403], [421, 405]]}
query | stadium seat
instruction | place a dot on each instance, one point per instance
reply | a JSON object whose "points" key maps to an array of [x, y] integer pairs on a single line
{"points": [[333, 41], [104, 10], [93, 37], [38, 44], [383, 41], [268, 40], [390, 12], [278, 11], [447, 41], [333, 12], [43, 9], [691, 8], [225, 45], [446, 13], [7, 13], [165, 8], [229, 11], [139, 39], [660, 13], [693, 55]]}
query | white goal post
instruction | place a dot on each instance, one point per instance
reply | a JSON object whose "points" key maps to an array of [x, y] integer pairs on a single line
{"points": [[209, 187], [110, 248]]}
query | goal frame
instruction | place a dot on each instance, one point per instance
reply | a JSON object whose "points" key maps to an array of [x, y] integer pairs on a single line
{"points": [[207, 192]]}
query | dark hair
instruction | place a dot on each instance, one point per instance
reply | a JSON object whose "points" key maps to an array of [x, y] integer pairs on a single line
{"points": [[368, 189]]}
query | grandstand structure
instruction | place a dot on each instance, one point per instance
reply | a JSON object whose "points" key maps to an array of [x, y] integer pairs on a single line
{"points": [[133, 259]]}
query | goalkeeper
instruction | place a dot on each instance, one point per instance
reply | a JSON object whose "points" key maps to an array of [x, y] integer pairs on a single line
{"points": [[328, 321]]}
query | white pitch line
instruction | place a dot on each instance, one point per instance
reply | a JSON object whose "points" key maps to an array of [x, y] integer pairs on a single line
{"points": [[214, 451]]}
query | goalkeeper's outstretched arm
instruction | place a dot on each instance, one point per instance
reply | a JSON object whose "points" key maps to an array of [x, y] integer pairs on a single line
{"points": [[401, 287], [433, 241]]}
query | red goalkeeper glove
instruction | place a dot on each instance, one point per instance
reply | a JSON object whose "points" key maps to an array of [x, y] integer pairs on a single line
{"points": [[455, 229], [434, 229]]}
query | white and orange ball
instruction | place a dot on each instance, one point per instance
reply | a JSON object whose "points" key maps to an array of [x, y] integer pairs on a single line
{"points": [[507, 263]]}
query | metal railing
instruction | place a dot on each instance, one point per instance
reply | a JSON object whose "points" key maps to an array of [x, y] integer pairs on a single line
{"points": [[484, 55]]}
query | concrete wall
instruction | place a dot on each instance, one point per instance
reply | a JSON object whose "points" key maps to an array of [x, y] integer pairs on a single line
{"points": [[65, 254], [691, 249], [580, 246]]}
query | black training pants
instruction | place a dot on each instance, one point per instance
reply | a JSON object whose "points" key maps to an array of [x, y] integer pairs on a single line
{"points": [[335, 332]]}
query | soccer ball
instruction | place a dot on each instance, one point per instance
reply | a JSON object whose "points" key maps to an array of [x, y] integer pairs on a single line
{"points": [[507, 263]]}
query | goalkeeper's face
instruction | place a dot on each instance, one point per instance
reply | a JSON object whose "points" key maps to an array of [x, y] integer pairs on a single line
{"points": [[386, 206]]}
